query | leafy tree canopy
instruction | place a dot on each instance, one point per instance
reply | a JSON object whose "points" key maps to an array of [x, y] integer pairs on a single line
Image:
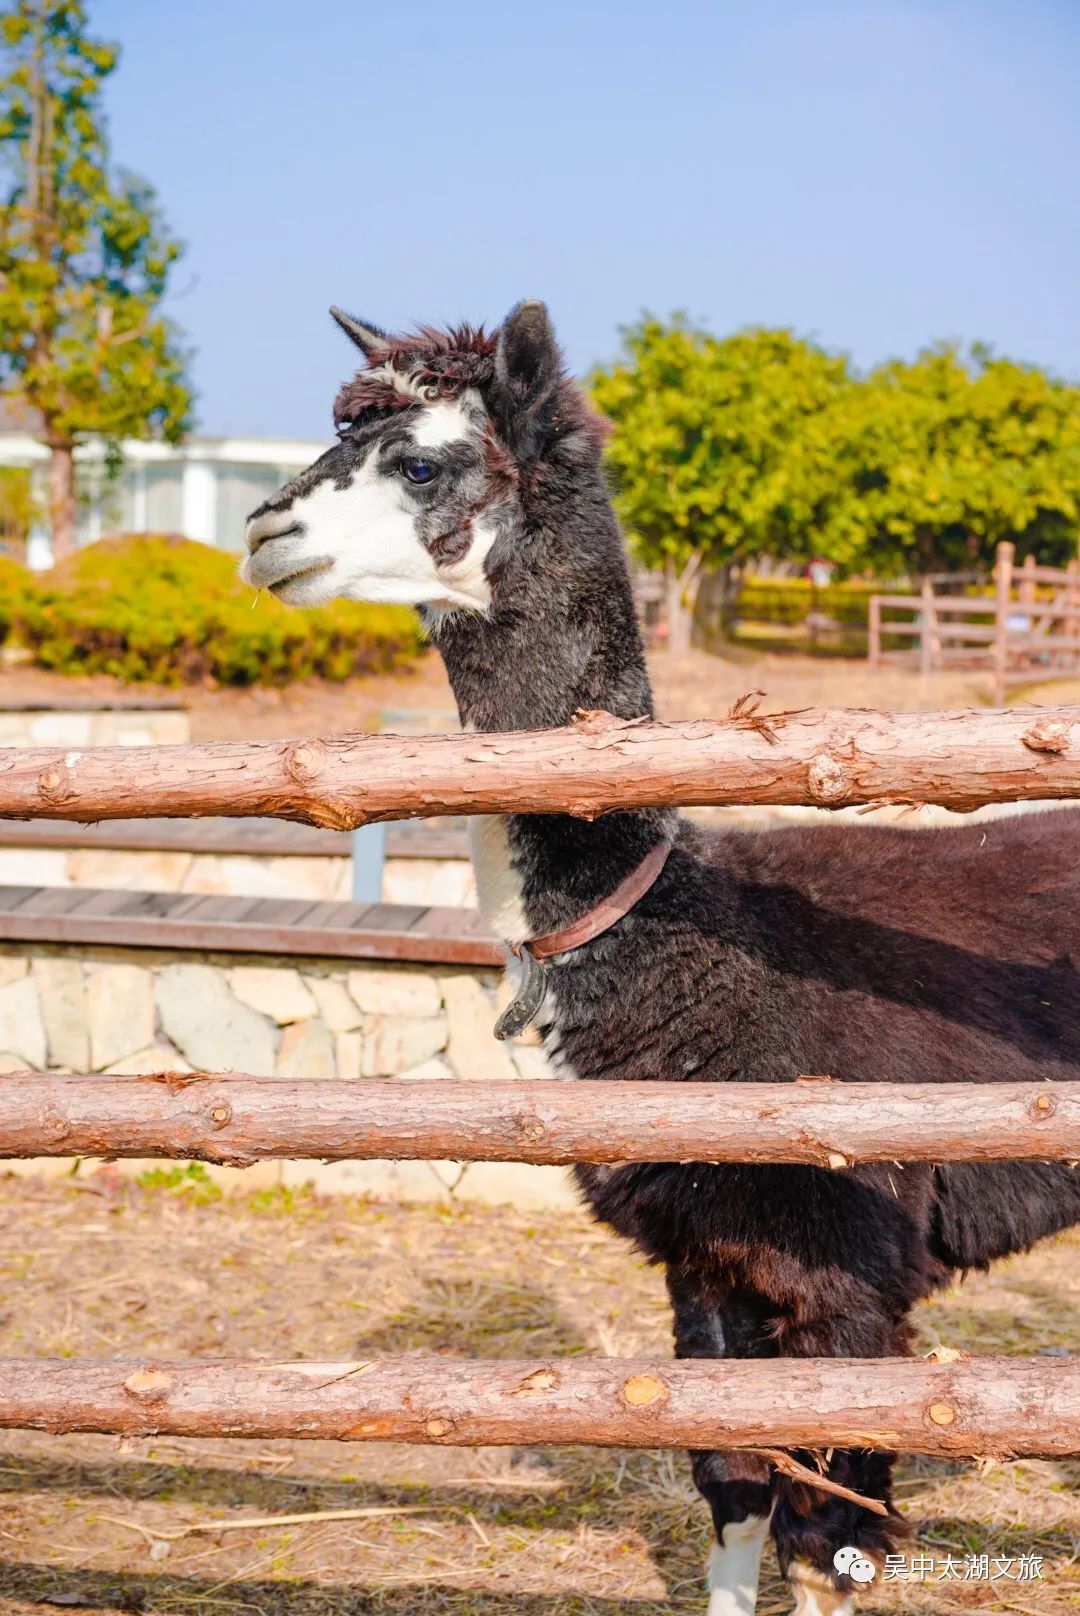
{"points": [[947, 456], [763, 444], [85, 257], [720, 445]]}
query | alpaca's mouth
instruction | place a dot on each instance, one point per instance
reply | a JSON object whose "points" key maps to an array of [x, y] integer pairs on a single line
{"points": [[315, 570], [276, 566]]}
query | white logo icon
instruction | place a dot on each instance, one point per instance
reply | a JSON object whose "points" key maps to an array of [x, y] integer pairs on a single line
{"points": [[851, 1563]]}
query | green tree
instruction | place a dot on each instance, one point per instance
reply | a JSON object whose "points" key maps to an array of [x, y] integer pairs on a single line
{"points": [[85, 257], [942, 458], [18, 510], [722, 450]]}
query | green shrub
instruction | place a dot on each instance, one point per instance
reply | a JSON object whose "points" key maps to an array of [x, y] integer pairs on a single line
{"points": [[16, 583], [791, 600], [175, 612]]}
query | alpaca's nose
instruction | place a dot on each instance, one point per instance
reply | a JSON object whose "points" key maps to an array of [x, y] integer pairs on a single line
{"points": [[269, 522]]}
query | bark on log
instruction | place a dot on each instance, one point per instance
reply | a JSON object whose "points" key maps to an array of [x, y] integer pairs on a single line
{"points": [[829, 759], [227, 1118], [989, 1406]]}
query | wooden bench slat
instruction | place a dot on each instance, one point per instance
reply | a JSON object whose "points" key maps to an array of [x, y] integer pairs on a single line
{"points": [[267, 838], [209, 922], [56, 900]]}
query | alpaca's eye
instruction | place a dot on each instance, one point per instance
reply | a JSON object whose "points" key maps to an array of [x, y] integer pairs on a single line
{"points": [[420, 471]]}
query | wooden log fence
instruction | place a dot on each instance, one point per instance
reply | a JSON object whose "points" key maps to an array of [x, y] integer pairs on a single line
{"points": [[814, 758], [988, 1407], [236, 1120]]}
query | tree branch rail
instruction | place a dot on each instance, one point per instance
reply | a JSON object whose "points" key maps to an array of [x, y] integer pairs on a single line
{"points": [[992, 1407], [816, 758], [234, 1119]]}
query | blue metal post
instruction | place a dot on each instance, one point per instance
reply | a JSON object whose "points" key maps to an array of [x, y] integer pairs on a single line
{"points": [[368, 858]]}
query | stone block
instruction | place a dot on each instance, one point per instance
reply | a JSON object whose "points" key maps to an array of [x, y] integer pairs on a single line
{"points": [[530, 1061], [394, 1043], [473, 1050], [64, 1010], [349, 1052], [12, 967], [336, 1007], [210, 1027], [429, 881], [149, 870], [394, 991], [120, 1012], [114, 727], [22, 1031], [432, 1070], [34, 867], [59, 729], [306, 1050], [249, 876], [155, 1058], [279, 993]]}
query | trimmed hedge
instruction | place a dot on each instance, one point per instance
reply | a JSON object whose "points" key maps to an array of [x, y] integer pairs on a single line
{"points": [[173, 611], [16, 585], [791, 600]]}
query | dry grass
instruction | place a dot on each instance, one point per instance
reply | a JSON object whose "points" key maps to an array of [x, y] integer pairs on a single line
{"points": [[103, 1267]]}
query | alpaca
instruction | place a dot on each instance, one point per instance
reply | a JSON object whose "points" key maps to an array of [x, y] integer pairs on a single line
{"points": [[467, 481]]}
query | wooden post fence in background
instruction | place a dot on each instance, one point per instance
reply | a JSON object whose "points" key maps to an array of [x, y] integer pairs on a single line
{"points": [[223, 1117], [599, 763], [996, 1407], [1003, 581], [927, 629], [873, 630]]}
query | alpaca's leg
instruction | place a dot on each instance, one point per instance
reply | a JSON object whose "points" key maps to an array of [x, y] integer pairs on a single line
{"points": [[735, 1566], [817, 1594], [809, 1526], [736, 1486]]}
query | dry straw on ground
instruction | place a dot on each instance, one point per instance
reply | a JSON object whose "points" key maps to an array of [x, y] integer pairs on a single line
{"points": [[103, 1267]]}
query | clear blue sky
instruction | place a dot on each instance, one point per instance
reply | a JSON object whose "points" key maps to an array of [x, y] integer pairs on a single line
{"points": [[877, 173]]}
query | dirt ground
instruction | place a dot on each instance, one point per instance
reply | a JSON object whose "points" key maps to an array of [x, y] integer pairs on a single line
{"points": [[99, 1266], [698, 686]]}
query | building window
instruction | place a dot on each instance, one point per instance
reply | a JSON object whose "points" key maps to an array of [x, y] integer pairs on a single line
{"points": [[239, 490]]}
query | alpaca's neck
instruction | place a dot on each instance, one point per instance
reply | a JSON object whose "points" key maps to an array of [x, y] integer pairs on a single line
{"points": [[561, 636]]}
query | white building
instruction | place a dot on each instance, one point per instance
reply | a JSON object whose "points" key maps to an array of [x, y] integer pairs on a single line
{"points": [[203, 490]]}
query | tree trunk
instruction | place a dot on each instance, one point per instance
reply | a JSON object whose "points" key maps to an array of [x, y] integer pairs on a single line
{"points": [[682, 586], [818, 758], [990, 1407], [230, 1118], [62, 497]]}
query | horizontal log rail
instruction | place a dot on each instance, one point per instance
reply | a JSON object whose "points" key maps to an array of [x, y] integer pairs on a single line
{"points": [[997, 1407], [226, 1118], [599, 763]]}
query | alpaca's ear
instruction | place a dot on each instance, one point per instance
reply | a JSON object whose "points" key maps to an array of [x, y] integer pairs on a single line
{"points": [[528, 368], [367, 338]]}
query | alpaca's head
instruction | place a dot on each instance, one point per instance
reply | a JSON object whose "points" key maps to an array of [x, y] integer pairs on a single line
{"points": [[422, 501]]}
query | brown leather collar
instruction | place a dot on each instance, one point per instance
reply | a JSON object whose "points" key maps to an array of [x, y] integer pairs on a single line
{"points": [[601, 918]]}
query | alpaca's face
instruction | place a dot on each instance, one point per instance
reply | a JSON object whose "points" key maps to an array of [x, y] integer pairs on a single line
{"points": [[403, 510], [409, 504]]}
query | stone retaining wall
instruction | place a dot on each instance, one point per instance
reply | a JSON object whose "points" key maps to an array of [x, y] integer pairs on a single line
{"points": [[135, 1010], [321, 878], [138, 724]]}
